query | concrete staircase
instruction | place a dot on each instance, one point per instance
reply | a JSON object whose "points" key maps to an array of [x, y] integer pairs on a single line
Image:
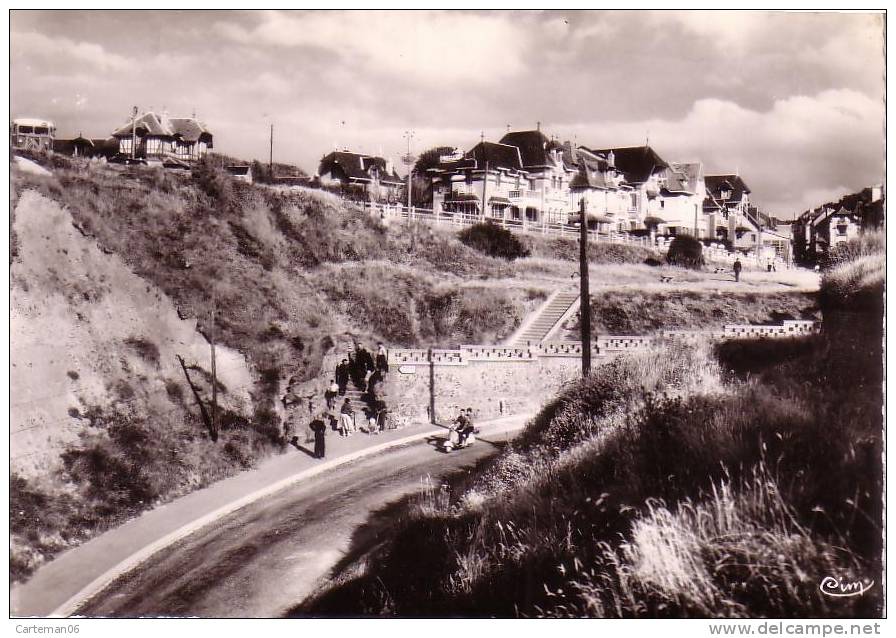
{"points": [[548, 318]]}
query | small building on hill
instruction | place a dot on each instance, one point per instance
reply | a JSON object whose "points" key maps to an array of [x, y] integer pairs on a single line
{"points": [[158, 137], [85, 147], [373, 177], [241, 173]]}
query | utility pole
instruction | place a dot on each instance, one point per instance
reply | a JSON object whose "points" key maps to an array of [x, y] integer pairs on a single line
{"points": [[211, 340], [408, 160], [696, 233], [134, 133], [585, 302], [484, 187], [271, 157]]}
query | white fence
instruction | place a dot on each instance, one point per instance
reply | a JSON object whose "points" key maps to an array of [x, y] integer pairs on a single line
{"points": [[390, 213], [602, 345]]}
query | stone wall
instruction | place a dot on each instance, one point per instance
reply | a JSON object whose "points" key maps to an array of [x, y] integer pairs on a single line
{"points": [[498, 380], [492, 388]]}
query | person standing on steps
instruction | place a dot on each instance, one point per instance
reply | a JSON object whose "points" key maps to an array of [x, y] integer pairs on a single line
{"points": [[319, 427], [382, 359], [342, 376], [737, 268], [330, 394], [347, 414]]}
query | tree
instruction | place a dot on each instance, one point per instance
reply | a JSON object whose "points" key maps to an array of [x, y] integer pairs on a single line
{"points": [[421, 181]]}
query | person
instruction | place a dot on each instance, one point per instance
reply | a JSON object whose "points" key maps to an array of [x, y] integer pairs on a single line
{"points": [[382, 358], [357, 370], [373, 381], [348, 418], [737, 268], [319, 427], [342, 376], [371, 421], [466, 429], [768, 265], [330, 394]]}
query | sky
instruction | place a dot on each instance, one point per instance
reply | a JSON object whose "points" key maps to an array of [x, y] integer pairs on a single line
{"points": [[792, 102]]}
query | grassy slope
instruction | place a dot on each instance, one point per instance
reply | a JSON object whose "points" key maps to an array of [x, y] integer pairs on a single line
{"points": [[267, 257], [661, 487], [642, 312]]}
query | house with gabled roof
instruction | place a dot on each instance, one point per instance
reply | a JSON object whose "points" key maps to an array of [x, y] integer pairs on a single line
{"points": [[524, 176], [730, 214], [158, 137], [374, 176], [642, 169], [682, 191]]}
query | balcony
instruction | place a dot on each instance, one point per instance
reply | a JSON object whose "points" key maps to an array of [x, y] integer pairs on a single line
{"points": [[520, 194]]}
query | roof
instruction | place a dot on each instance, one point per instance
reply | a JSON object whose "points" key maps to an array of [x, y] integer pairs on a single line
{"points": [[498, 155], [637, 163], [682, 177], [160, 125], [357, 166], [716, 183], [33, 121], [534, 147]]}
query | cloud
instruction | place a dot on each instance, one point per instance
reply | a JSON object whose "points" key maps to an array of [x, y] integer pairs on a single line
{"points": [[427, 47], [801, 147], [32, 45]]}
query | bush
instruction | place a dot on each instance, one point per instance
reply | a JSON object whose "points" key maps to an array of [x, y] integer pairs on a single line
{"points": [[685, 251], [493, 241]]}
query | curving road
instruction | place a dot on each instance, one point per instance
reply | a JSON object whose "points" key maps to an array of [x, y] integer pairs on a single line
{"points": [[264, 559]]}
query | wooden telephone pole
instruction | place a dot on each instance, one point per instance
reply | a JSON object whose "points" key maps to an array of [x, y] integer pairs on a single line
{"points": [[585, 302], [211, 340], [271, 156]]}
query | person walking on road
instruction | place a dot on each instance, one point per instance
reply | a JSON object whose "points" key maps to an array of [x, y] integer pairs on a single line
{"points": [[319, 427], [737, 268], [347, 414]]}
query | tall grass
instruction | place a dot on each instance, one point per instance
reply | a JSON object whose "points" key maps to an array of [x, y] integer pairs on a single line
{"points": [[660, 486]]}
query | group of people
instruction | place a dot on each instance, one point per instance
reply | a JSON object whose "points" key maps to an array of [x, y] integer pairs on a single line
{"points": [[362, 369], [366, 372]]}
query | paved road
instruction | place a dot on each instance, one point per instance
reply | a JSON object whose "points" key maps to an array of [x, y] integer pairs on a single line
{"points": [[265, 558]]}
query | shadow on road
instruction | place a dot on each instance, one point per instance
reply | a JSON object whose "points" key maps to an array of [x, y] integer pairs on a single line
{"points": [[337, 591]]}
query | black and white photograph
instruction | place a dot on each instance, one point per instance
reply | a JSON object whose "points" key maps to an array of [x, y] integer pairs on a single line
{"points": [[441, 314]]}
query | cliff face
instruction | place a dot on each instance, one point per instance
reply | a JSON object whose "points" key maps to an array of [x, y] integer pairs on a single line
{"points": [[87, 334]]}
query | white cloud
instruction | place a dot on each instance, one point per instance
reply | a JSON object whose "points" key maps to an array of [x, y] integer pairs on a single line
{"points": [[794, 155], [62, 50], [425, 47]]}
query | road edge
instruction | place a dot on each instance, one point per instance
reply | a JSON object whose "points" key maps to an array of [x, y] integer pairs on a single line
{"points": [[69, 607]]}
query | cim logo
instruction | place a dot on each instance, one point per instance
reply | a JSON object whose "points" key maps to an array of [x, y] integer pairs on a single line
{"points": [[839, 588]]}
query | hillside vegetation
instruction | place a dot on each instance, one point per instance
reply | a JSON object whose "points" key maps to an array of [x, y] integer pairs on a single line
{"points": [[723, 481], [114, 274]]}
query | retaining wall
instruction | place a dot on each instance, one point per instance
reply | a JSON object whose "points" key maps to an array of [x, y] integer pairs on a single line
{"points": [[502, 380]]}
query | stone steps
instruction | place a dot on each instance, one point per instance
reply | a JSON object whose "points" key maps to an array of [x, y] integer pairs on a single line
{"points": [[548, 317]]}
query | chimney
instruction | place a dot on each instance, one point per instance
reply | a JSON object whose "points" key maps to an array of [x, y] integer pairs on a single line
{"points": [[611, 159]]}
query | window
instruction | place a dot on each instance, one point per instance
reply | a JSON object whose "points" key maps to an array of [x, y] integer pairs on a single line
{"points": [[841, 229], [26, 129], [662, 203]]}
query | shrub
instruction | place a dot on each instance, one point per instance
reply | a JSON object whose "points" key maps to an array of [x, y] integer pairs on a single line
{"points": [[493, 241], [685, 251]]}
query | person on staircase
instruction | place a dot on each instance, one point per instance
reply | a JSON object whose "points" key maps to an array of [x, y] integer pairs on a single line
{"points": [[342, 373], [347, 414], [331, 393], [382, 358]]}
